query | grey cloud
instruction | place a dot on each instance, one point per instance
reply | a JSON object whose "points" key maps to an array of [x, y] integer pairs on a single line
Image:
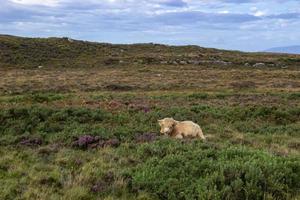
{"points": [[285, 16], [196, 16], [174, 3]]}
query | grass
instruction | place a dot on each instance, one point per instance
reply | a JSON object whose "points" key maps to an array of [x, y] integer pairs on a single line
{"points": [[252, 151], [249, 116], [167, 78]]}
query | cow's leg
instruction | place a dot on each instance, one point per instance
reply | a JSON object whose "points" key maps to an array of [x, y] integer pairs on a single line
{"points": [[179, 136]]}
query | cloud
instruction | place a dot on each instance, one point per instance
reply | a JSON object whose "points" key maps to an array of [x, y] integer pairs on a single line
{"points": [[217, 23], [285, 16], [196, 16], [173, 3], [50, 3]]}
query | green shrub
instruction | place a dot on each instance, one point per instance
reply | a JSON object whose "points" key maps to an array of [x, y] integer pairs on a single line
{"points": [[194, 172], [127, 123], [41, 97], [45, 121], [295, 96]]}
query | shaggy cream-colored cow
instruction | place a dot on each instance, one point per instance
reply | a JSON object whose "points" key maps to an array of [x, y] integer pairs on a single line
{"points": [[179, 130]]}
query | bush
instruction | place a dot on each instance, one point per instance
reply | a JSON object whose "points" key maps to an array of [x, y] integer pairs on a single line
{"points": [[194, 172], [294, 96], [40, 98], [43, 121]]}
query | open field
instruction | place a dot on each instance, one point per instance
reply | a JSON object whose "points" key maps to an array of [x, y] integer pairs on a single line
{"points": [[149, 78], [92, 133]]}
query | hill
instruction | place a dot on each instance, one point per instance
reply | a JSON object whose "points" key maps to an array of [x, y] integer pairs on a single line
{"points": [[66, 52], [84, 125], [287, 49]]}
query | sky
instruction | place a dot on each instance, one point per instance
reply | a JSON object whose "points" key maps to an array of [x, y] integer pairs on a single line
{"points": [[247, 25]]}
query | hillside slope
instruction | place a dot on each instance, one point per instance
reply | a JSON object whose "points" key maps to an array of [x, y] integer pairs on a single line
{"points": [[65, 52]]}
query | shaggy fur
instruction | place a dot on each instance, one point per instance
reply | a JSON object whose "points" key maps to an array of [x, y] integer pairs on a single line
{"points": [[179, 130]]}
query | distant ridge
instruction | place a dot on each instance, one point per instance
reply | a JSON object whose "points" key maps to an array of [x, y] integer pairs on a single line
{"points": [[287, 49], [67, 52]]}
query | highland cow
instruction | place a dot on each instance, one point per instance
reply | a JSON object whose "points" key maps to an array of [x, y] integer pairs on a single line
{"points": [[179, 130]]}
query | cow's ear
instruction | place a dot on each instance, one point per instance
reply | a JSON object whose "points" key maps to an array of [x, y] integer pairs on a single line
{"points": [[174, 123], [160, 121]]}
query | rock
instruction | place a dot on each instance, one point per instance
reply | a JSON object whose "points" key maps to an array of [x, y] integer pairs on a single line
{"points": [[40, 67], [247, 65], [259, 65], [194, 62], [164, 62], [221, 62], [183, 62]]}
